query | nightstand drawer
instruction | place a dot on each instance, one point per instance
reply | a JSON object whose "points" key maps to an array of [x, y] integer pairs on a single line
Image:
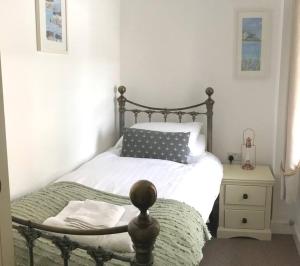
{"points": [[245, 195], [244, 219]]}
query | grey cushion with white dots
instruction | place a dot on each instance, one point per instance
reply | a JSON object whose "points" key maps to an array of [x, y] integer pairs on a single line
{"points": [[141, 143]]}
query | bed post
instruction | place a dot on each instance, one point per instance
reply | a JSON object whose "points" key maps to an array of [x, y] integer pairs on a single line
{"points": [[143, 229], [209, 106], [121, 101]]}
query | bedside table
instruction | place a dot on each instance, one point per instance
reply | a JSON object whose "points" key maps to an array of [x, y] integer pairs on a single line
{"points": [[245, 202]]}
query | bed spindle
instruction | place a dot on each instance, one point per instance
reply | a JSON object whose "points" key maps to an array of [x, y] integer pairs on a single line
{"points": [[209, 106], [100, 256], [143, 229], [194, 115], [122, 102], [30, 235], [180, 114], [66, 246], [149, 113], [136, 113], [165, 113]]}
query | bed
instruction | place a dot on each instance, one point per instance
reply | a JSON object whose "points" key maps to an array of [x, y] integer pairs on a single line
{"points": [[176, 223]]}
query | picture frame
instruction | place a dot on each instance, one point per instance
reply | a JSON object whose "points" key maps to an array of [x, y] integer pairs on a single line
{"points": [[51, 26], [253, 43]]}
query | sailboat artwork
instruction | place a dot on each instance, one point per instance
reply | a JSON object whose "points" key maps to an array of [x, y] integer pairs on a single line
{"points": [[53, 20], [253, 42], [51, 26]]}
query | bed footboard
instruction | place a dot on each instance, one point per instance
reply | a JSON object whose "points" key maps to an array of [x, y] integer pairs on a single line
{"points": [[143, 231]]}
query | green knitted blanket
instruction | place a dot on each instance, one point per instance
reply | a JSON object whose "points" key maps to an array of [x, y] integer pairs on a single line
{"points": [[182, 235]]}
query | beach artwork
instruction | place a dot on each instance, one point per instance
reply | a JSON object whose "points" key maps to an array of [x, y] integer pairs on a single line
{"points": [[251, 44], [53, 20], [51, 26]]}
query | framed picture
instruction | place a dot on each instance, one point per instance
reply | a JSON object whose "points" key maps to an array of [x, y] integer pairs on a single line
{"points": [[51, 26], [253, 42]]}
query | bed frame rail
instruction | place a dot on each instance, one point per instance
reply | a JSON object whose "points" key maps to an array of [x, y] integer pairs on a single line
{"points": [[143, 231], [165, 112]]}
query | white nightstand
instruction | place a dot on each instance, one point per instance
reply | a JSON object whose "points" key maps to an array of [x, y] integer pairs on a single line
{"points": [[245, 202]]}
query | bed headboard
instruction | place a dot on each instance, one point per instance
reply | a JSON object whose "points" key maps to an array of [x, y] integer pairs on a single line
{"points": [[165, 112]]}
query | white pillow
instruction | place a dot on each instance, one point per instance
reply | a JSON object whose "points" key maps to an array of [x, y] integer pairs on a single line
{"points": [[199, 146], [193, 127], [196, 141], [198, 150]]}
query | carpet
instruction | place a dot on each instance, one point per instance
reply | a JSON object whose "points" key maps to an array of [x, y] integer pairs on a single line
{"points": [[281, 251]]}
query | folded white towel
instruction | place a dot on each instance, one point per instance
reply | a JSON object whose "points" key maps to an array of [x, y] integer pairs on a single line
{"points": [[118, 242], [122, 242], [72, 206], [95, 215]]}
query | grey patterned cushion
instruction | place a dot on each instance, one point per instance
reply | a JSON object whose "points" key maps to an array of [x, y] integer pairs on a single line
{"points": [[141, 143]]}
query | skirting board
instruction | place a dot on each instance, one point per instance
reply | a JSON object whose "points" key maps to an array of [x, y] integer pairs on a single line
{"points": [[281, 227], [297, 239], [258, 234]]}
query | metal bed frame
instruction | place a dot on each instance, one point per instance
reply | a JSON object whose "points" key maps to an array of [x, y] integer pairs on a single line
{"points": [[143, 229]]}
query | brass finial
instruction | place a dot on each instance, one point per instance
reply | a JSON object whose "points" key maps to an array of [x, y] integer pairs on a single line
{"points": [[209, 91], [143, 195], [122, 90]]}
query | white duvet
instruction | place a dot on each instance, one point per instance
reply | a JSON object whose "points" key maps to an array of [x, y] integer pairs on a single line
{"points": [[195, 184]]}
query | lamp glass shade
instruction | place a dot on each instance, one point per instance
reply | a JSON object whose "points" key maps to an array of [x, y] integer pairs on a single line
{"points": [[248, 150]]}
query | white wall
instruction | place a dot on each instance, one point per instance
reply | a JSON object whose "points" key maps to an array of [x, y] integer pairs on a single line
{"points": [[172, 49], [59, 108], [6, 243]]}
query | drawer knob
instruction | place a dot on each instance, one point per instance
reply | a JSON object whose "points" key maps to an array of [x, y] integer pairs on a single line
{"points": [[244, 220], [245, 196]]}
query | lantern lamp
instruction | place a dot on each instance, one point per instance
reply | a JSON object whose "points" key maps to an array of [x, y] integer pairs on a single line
{"points": [[248, 150]]}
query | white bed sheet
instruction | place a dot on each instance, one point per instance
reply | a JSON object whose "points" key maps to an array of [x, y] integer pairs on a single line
{"points": [[195, 184]]}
